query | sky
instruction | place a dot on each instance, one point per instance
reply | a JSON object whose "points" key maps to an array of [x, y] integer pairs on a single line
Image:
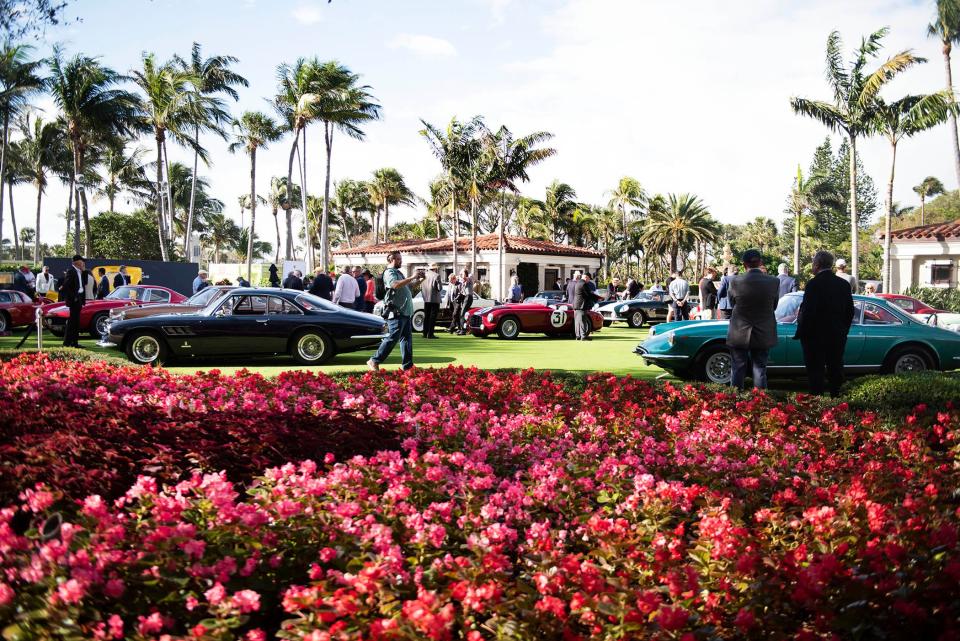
{"points": [[686, 96]]}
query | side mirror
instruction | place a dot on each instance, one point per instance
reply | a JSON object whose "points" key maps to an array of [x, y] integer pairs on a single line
{"points": [[932, 320]]}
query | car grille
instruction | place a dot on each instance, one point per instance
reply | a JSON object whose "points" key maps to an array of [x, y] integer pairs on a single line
{"points": [[475, 321]]}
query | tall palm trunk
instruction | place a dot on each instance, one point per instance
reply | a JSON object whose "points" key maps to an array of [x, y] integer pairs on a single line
{"points": [[456, 229], [386, 221], [76, 198], [110, 199], [36, 235], [171, 210], [887, 267], [276, 223], [346, 231], [69, 210], [947, 47], [796, 242], [3, 164], [854, 219], [161, 222], [325, 216], [13, 221], [473, 236], [438, 224], [88, 238], [922, 209], [307, 236], [193, 195], [288, 248], [253, 210]]}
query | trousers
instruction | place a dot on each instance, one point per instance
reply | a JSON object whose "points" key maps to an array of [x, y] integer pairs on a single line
{"points": [[400, 330], [824, 355], [71, 337], [744, 357], [430, 311]]}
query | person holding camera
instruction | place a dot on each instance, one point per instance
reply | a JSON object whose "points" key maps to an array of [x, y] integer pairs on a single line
{"points": [[397, 310]]}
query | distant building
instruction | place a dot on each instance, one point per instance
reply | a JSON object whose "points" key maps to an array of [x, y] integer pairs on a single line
{"points": [[925, 256], [553, 261]]}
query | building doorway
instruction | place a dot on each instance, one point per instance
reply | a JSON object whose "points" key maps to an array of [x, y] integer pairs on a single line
{"points": [[550, 278]]}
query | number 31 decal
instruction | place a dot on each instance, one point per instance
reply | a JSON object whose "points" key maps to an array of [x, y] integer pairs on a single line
{"points": [[558, 318]]}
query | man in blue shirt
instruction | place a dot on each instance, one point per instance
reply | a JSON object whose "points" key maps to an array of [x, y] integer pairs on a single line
{"points": [[398, 310], [198, 282]]}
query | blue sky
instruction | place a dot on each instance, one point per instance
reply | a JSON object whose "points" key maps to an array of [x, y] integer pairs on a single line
{"points": [[685, 96]]}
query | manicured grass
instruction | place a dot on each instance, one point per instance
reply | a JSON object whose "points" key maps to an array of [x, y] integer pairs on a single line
{"points": [[611, 350]]}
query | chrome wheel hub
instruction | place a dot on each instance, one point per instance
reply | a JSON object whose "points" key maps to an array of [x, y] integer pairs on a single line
{"points": [[910, 363], [310, 347], [146, 349], [719, 367]]}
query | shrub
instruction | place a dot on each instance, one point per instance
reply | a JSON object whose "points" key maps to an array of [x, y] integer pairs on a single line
{"points": [[937, 297], [65, 354], [898, 393]]}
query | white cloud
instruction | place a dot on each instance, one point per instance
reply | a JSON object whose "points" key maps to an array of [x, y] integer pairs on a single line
{"points": [[423, 45], [498, 8], [307, 13]]}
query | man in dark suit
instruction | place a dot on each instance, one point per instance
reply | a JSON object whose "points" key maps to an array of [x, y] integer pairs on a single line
{"points": [[787, 282], [122, 278], [322, 285], [584, 298], [753, 326], [292, 281], [74, 293], [823, 323], [103, 284]]}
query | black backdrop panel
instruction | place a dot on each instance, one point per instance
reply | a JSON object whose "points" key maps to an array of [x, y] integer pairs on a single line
{"points": [[177, 276]]}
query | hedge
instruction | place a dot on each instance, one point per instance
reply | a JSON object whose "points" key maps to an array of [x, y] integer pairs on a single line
{"points": [[64, 354], [898, 392]]}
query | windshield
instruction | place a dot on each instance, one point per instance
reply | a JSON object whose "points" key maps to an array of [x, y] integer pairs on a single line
{"points": [[204, 297], [788, 308], [125, 293]]}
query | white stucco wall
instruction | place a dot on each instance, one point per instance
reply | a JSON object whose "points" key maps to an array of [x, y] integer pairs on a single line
{"points": [[912, 260]]}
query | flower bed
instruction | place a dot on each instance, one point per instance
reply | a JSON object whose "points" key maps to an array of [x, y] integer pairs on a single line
{"points": [[516, 510], [91, 427]]}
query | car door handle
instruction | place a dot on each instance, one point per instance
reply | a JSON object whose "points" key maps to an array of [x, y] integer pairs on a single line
{"points": [[263, 320]]}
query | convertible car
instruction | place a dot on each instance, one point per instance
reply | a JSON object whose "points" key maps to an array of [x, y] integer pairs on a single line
{"points": [[95, 313], [193, 304], [17, 309], [883, 338], [642, 309], [250, 322], [510, 319]]}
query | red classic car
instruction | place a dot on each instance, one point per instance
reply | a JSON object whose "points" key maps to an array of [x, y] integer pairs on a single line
{"points": [[16, 309], [94, 315], [908, 304], [509, 320]]}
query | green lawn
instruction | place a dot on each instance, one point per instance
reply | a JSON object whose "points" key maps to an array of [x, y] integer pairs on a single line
{"points": [[611, 350]]}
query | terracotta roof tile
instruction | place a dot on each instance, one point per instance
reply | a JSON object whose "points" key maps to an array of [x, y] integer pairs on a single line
{"points": [[487, 242], [936, 231]]}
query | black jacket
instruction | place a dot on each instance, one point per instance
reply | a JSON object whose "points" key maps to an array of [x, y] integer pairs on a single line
{"points": [[120, 280], [71, 284], [584, 295], [827, 309], [292, 282], [103, 287], [753, 324], [708, 293], [322, 286]]}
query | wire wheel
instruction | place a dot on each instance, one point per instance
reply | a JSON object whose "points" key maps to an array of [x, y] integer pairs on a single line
{"points": [[145, 349], [509, 328]]}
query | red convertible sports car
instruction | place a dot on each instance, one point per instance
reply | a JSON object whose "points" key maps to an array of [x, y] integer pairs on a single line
{"points": [[94, 315], [509, 320], [17, 309]]}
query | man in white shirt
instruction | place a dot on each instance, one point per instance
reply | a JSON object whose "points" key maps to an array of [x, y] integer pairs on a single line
{"points": [[679, 290], [347, 290], [45, 282]]}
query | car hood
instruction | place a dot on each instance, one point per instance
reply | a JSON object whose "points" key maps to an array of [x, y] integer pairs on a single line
{"points": [[694, 325]]}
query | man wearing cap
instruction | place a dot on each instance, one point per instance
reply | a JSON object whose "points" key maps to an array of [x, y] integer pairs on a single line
{"points": [[432, 292], [753, 326], [842, 273], [74, 292], [198, 282]]}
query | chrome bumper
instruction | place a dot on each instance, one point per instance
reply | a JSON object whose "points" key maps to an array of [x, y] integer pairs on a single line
{"points": [[371, 336]]}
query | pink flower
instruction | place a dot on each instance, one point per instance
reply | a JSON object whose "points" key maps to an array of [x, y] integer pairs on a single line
{"points": [[151, 624], [71, 591], [216, 594], [116, 626], [246, 601], [6, 594]]}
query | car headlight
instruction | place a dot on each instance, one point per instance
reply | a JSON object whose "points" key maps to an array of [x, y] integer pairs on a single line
{"points": [[671, 338], [490, 317]]}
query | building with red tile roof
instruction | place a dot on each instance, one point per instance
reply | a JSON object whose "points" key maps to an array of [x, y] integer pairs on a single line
{"points": [[553, 261], [926, 255]]}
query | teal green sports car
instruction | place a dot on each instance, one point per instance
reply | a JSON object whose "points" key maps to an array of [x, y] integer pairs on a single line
{"points": [[883, 338]]}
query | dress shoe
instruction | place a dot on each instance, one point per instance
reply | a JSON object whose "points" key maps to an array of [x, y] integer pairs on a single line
{"points": [[373, 365]]}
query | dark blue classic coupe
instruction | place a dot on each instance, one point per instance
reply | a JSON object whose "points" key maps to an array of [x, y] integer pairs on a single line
{"points": [[250, 322]]}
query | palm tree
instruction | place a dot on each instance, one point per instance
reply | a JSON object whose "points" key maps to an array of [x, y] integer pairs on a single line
{"points": [[344, 106], [558, 207], [454, 147], [94, 109], [169, 109], [42, 149], [807, 194], [295, 102], [946, 27], [352, 198], [251, 246], [209, 77], [19, 79], [628, 196], [853, 109], [901, 119], [221, 232], [253, 130], [182, 183], [510, 158], [124, 172], [678, 226], [929, 187], [530, 220], [388, 188], [607, 225], [282, 196]]}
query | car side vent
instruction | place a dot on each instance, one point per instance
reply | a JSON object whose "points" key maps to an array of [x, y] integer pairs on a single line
{"points": [[178, 331]]}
